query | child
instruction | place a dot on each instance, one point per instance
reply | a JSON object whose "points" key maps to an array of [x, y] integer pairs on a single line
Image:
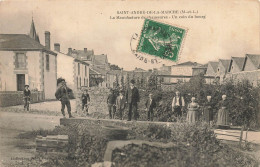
{"points": [[26, 97], [120, 104], [85, 100], [150, 105]]}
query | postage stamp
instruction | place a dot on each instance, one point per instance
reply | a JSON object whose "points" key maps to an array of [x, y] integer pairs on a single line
{"points": [[161, 40]]}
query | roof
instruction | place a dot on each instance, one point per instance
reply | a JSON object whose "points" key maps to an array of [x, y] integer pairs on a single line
{"points": [[225, 63], [100, 59], [202, 66], [255, 60], [239, 61], [91, 71], [214, 65], [81, 54], [33, 34], [99, 70], [115, 72], [188, 63], [13, 42]]}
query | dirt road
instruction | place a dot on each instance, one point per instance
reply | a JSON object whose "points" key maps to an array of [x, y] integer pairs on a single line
{"points": [[13, 149]]}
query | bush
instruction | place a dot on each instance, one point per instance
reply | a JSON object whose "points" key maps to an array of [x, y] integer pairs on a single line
{"points": [[195, 145], [243, 100]]}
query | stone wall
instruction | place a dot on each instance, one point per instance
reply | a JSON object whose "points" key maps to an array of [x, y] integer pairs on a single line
{"points": [[12, 98], [98, 99], [252, 76]]}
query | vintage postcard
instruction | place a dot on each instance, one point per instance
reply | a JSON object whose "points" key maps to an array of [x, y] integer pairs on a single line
{"points": [[129, 83]]}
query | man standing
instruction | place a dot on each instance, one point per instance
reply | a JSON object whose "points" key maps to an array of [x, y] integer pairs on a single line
{"points": [[85, 101], [62, 94], [111, 102], [120, 104], [132, 97], [178, 104], [26, 97], [150, 105]]}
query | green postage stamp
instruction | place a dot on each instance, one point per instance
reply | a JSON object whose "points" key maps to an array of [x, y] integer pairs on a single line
{"points": [[161, 40]]}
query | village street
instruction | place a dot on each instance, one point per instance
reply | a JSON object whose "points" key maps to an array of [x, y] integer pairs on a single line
{"points": [[12, 124]]}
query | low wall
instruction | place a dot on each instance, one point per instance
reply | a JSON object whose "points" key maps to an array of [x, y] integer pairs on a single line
{"points": [[12, 98], [110, 122], [252, 76]]}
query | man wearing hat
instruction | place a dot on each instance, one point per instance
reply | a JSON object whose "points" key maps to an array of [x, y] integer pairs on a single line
{"points": [[62, 94], [26, 97], [111, 103], [132, 98]]}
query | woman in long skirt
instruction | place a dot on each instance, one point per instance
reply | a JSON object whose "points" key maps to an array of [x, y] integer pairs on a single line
{"points": [[223, 112], [207, 112], [192, 115]]}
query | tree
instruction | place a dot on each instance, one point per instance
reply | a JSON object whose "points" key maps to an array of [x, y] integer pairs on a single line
{"points": [[123, 82], [114, 67], [152, 82]]}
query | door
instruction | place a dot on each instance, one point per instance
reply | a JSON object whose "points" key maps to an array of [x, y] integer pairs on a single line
{"points": [[20, 82]]}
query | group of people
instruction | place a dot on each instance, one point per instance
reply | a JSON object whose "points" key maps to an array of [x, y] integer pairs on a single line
{"points": [[130, 99], [206, 111], [117, 104]]}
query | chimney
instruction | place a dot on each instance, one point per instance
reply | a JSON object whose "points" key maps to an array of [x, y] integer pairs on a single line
{"points": [[85, 50], [48, 40], [57, 47], [69, 51]]}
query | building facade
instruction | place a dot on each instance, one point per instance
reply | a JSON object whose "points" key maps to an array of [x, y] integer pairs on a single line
{"points": [[73, 70]]}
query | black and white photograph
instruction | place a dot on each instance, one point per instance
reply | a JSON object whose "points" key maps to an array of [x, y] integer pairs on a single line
{"points": [[129, 83]]}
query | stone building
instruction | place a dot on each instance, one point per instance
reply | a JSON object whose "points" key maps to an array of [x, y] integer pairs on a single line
{"points": [[222, 70], [183, 71], [25, 61], [73, 70], [236, 64], [211, 71]]}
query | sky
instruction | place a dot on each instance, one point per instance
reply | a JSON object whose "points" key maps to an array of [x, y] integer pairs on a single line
{"points": [[230, 28]]}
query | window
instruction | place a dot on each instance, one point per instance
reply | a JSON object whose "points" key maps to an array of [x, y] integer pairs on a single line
{"points": [[20, 60], [78, 69], [79, 81], [47, 62], [85, 70], [84, 82]]}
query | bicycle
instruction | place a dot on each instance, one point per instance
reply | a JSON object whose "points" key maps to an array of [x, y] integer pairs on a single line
{"points": [[27, 103]]}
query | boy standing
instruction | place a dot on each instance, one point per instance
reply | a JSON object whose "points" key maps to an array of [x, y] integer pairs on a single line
{"points": [[120, 104], [26, 97], [150, 105], [85, 100]]}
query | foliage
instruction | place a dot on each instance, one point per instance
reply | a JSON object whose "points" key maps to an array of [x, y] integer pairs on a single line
{"points": [[93, 81], [194, 145], [114, 67], [152, 82], [243, 99]]}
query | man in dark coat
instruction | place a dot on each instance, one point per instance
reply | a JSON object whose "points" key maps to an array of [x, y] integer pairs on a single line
{"points": [[132, 98], [26, 97], [111, 104], [150, 105], [85, 101], [62, 94]]}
